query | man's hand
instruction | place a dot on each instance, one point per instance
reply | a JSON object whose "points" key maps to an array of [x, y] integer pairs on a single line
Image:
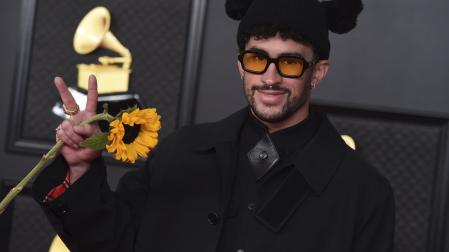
{"points": [[78, 158]]}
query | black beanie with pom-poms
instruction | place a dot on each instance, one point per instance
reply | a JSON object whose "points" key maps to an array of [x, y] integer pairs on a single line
{"points": [[310, 19]]}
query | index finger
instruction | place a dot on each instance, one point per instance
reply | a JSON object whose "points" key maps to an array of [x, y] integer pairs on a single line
{"points": [[64, 93], [92, 95]]}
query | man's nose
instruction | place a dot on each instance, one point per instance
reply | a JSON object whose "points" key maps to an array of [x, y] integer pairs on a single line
{"points": [[271, 76]]}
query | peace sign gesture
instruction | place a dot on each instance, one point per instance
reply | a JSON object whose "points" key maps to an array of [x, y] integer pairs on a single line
{"points": [[78, 159]]}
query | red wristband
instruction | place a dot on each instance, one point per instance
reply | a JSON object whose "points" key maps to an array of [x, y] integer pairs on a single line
{"points": [[59, 189]]}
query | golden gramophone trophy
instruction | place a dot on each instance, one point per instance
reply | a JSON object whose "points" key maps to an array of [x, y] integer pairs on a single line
{"points": [[92, 33], [112, 72]]}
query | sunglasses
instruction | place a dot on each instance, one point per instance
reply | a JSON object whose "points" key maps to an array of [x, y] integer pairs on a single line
{"points": [[290, 66]]}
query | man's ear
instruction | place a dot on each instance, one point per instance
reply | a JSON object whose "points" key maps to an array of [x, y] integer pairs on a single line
{"points": [[320, 71], [241, 71]]}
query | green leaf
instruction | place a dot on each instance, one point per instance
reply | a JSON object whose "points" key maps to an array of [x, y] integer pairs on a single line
{"points": [[97, 142]]}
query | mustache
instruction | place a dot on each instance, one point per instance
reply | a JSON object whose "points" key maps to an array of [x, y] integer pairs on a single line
{"points": [[270, 87]]}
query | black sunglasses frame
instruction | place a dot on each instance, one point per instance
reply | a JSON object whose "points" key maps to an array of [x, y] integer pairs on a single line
{"points": [[276, 63]]}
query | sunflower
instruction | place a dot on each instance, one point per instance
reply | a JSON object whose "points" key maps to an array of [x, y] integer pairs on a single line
{"points": [[134, 133]]}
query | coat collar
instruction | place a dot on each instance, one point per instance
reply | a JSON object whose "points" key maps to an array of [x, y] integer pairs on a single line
{"points": [[314, 166], [321, 157], [317, 162], [223, 139], [226, 130]]}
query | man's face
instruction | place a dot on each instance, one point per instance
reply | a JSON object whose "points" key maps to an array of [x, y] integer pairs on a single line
{"points": [[274, 98]]}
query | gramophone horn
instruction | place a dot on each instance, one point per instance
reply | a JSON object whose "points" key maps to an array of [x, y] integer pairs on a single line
{"points": [[93, 32]]}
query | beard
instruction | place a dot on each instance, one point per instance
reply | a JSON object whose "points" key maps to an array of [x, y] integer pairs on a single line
{"points": [[274, 114]]}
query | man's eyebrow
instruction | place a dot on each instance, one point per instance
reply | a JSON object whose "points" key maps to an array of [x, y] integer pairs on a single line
{"points": [[291, 54], [258, 50]]}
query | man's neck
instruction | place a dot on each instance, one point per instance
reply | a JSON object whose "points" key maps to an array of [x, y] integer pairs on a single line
{"points": [[297, 117]]}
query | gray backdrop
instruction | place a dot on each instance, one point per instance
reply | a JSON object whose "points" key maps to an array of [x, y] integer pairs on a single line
{"points": [[395, 59]]}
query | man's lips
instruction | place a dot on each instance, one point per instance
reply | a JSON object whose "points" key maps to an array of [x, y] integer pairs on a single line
{"points": [[270, 97], [272, 92], [270, 88]]}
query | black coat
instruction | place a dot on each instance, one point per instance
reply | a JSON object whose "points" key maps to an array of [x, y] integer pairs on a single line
{"points": [[333, 202]]}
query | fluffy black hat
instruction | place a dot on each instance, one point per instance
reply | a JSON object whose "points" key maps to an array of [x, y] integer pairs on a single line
{"points": [[310, 19]]}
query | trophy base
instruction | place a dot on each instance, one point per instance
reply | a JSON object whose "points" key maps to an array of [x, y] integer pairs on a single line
{"points": [[110, 78], [116, 103]]}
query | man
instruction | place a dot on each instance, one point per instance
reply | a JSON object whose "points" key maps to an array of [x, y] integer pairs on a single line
{"points": [[272, 177]]}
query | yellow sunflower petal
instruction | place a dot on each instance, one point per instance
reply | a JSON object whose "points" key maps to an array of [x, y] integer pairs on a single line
{"points": [[131, 153], [147, 138]]}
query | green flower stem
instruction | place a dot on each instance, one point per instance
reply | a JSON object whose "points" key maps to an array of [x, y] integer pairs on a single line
{"points": [[46, 158], [98, 117]]}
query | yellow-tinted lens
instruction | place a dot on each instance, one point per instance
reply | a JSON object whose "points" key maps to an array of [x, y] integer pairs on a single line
{"points": [[291, 66], [254, 62]]}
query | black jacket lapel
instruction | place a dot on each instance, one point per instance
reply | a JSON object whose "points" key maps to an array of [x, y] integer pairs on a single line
{"points": [[313, 168], [227, 163], [223, 142], [276, 211]]}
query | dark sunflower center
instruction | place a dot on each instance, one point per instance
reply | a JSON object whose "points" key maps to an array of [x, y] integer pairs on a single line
{"points": [[131, 132]]}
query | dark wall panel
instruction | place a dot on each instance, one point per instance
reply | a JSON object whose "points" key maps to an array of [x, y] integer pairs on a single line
{"points": [[396, 58], [154, 31], [408, 150]]}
